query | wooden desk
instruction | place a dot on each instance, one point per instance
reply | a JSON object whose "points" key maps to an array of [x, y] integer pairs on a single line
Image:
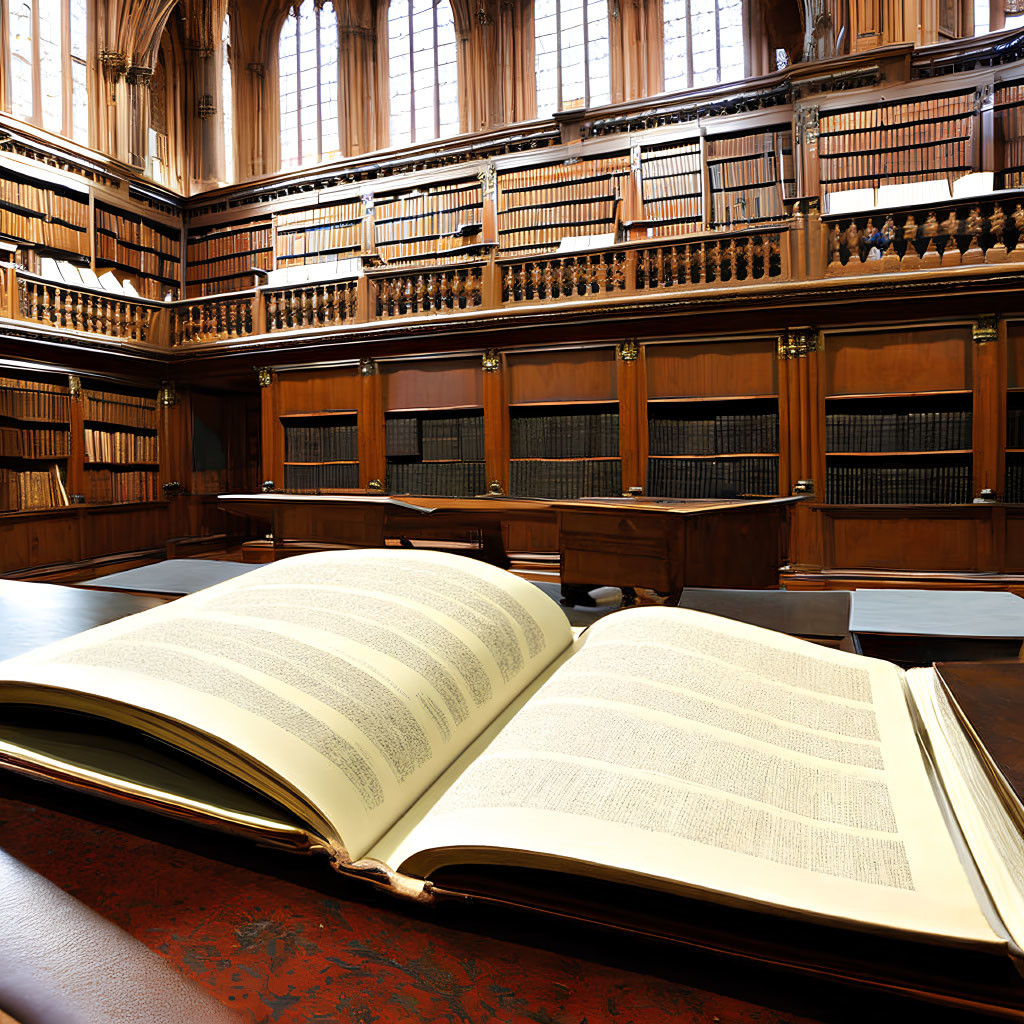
{"points": [[622, 542], [34, 614]]}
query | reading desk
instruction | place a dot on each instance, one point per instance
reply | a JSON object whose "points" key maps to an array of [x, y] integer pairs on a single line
{"points": [[621, 542]]}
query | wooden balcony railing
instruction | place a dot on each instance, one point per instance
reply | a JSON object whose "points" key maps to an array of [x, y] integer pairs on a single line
{"points": [[91, 311], [563, 278], [973, 232], [720, 260], [422, 291], [327, 304], [214, 318]]}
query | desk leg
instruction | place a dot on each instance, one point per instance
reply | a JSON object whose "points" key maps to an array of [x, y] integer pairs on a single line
{"points": [[492, 547]]}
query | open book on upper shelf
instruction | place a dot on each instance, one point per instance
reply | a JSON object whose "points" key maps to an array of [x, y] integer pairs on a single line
{"points": [[430, 723]]}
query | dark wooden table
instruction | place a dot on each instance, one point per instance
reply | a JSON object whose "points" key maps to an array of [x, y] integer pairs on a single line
{"points": [[620, 542]]}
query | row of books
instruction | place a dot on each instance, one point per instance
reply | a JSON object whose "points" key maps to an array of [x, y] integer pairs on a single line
{"points": [[740, 173], [1014, 479], [333, 441], [939, 109], [561, 183], [423, 247], [672, 162], [716, 435], [1015, 428], [331, 476], [319, 239], [565, 435], [202, 249], [671, 188], [728, 208], [121, 410], [438, 224], [342, 214], [943, 157], [565, 478], [712, 478], [892, 138], [859, 484], [944, 430], [756, 144], [215, 284], [151, 264], [460, 202], [568, 215], [235, 266], [689, 208], [450, 479], [33, 401], [34, 443], [43, 232], [551, 238], [119, 446], [22, 489], [108, 486], [453, 438], [138, 232], [50, 204]]}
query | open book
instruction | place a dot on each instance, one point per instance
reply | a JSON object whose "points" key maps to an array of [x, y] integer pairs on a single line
{"points": [[431, 723]]}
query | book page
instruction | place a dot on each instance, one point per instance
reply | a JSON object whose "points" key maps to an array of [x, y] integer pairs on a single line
{"points": [[688, 752], [341, 684], [995, 840]]}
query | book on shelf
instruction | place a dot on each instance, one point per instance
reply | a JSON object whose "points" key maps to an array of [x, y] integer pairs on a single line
{"points": [[669, 772]]}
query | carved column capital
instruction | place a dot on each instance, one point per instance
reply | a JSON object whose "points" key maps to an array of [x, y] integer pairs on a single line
{"points": [[985, 329], [265, 376]]}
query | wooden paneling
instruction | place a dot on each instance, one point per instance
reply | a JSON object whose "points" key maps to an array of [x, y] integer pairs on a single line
{"points": [[896, 362], [301, 391], [581, 375], [1015, 353], [944, 538], [432, 384], [712, 370]]}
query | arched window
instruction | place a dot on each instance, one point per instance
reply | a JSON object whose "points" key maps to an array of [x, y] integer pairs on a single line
{"points": [[48, 40], [703, 42], [307, 68], [227, 103], [423, 71], [571, 54]]}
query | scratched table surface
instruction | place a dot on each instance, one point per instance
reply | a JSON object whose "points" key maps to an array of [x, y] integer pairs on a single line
{"points": [[279, 951]]}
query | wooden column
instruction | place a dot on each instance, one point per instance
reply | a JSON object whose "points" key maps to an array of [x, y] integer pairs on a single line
{"points": [[629, 374], [272, 435], [989, 419], [372, 458], [76, 458], [496, 419]]}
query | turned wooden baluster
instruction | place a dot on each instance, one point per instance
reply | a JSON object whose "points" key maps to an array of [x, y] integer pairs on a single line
{"points": [[444, 291], [536, 278], [508, 285], [350, 297], [421, 294], [271, 312], [549, 280], [473, 294], [430, 293]]}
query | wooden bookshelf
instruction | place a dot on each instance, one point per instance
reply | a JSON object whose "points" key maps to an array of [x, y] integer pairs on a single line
{"points": [[319, 233], [898, 419], [321, 452], [149, 250], [220, 258], [712, 421], [120, 447], [749, 178], [1009, 110], [434, 433], [898, 143], [50, 215], [672, 188], [35, 443], [440, 223], [564, 424], [539, 206]]}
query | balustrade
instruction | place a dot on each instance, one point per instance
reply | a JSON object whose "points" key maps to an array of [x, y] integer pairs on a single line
{"points": [[422, 292], [215, 318], [734, 260], [328, 304], [973, 233], [78, 309], [563, 278]]}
